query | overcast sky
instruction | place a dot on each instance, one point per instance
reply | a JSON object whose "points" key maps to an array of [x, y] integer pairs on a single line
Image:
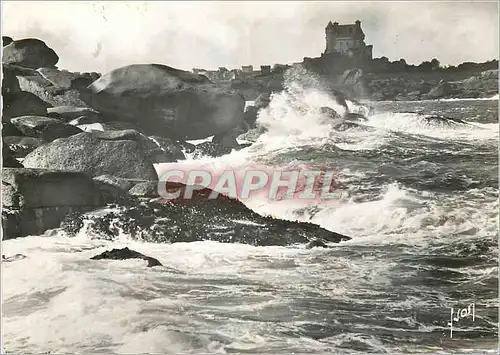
{"points": [[100, 36]]}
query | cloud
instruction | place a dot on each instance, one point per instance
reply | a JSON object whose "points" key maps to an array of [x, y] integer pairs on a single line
{"points": [[231, 34]]}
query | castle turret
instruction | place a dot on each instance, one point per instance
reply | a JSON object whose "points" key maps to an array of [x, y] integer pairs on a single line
{"points": [[346, 39]]}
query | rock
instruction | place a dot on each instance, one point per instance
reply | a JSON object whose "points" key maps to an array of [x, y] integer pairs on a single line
{"points": [[56, 96], [29, 52], [45, 128], [85, 123], [23, 104], [22, 146], [58, 78], [228, 139], [9, 79], [107, 126], [145, 189], [8, 129], [12, 258], [68, 113], [316, 244], [113, 188], [167, 102], [221, 219], [124, 254], [37, 200], [439, 120], [250, 116], [352, 116], [443, 89], [211, 149], [8, 158], [262, 101], [120, 183], [330, 113], [163, 150], [156, 149], [6, 40], [126, 134], [87, 153]]}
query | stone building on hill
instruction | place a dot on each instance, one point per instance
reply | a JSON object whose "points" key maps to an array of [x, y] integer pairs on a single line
{"points": [[347, 40]]}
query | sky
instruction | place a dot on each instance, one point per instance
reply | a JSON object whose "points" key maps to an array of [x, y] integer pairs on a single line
{"points": [[101, 36]]}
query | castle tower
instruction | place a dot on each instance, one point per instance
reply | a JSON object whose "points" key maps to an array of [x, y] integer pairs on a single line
{"points": [[346, 40]]}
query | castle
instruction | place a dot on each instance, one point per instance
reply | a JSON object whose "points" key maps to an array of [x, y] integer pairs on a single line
{"points": [[347, 40]]}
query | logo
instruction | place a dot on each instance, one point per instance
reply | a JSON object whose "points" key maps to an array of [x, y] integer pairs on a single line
{"points": [[458, 314], [302, 183]]}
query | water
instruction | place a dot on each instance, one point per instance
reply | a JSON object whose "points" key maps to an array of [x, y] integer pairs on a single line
{"points": [[422, 209]]}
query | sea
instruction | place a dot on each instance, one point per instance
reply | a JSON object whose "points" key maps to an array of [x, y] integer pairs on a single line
{"points": [[421, 208]]}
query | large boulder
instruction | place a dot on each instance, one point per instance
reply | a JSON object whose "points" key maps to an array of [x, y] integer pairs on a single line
{"points": [[88, 153], [29, 52], [45, 128], [6, 40], [22, 103], [167, 102], [36, 200]]}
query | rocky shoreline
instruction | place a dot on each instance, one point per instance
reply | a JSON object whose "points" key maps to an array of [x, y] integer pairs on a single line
{"points": [[79, 148]]}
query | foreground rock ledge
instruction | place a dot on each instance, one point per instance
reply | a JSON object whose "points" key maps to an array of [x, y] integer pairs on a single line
{"points": [[35, 200]]}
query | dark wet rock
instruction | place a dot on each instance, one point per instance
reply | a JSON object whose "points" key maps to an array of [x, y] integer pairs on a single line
{"points": [[8, 158], [443, 120], [45, 128], [329, 112], [15, 257], [17, 104], [221, 219], [124, 254], [29, 52], [22, 146], [36, 200], [6, 40], [87, 153], [167, 102], [352, 116], [345, 125], [316, 244]]}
